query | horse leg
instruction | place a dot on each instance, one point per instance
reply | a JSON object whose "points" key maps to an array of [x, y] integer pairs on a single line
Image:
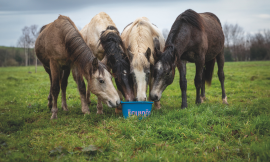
{"points": [[81, 87], [220, 63], [88, 94], [183, 82], [50, 93], [64, 83], [99, 106], [55, 88], [203, 86], [198, 77], [118, 110]]}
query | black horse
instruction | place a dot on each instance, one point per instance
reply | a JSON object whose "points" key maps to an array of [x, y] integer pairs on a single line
{"points": [[196, 38]]}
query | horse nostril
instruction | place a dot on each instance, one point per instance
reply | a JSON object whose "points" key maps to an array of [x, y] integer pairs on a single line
{"points": [[145, 99], [136, 99], [110, 102], [155, 98]]}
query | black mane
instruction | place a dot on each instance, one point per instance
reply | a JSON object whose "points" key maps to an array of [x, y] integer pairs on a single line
{"points": [[114, 50], [189, 16]]}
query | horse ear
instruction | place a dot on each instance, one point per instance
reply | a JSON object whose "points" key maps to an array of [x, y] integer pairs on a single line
{"points": [[95, 64], [157, 54], [148, 53]]}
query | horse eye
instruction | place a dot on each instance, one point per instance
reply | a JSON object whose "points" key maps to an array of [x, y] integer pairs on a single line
{"points": [[168, 73], [101, 81]]}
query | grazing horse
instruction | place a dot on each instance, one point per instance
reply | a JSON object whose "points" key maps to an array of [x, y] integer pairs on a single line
{"points": [[141, 38], [102, 36], [196, 38], [60, 47]]}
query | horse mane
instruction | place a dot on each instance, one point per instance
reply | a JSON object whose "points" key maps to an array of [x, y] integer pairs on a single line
{"points": [[189, 16], [138, 40], [42, 28], [214, 16], [114, 49], [76, 47], [127, 25]]}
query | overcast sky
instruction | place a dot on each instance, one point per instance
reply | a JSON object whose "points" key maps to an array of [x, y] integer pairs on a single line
{"points": [[252, 15]]}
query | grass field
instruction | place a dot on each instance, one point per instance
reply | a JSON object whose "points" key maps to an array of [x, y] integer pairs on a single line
{"points": [[207, 132]]}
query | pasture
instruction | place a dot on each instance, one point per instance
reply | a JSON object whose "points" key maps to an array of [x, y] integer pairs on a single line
{"points": [[207, 132]]}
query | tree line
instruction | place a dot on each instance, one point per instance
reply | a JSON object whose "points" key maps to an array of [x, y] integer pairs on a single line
{"points": [[239, 46]]}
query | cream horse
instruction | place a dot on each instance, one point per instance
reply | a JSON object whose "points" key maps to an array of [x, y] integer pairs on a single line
{"points": [[141, 38], [102, 36]]}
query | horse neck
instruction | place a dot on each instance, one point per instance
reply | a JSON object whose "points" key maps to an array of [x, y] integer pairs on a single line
{"points": [[179, 39], [84, 62]]}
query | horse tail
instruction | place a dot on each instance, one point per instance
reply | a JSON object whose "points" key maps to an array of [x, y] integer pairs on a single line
{"points": [[209, 69]]}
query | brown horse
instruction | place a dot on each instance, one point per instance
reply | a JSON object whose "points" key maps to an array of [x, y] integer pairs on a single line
{"points": [[195, 38], [102, 36], [60, 47]]}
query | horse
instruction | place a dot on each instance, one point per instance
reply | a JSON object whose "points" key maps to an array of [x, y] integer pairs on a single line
{"points": [[102, 36], [196, 38], [140, 38], [60, 47]]}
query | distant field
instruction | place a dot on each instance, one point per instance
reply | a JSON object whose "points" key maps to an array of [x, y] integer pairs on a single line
{"points": [[207, 132]]}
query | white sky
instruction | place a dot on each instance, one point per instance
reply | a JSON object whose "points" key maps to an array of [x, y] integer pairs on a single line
{"points": [[250, 14]]}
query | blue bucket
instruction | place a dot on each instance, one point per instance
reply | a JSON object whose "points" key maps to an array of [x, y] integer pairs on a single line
{"points": [[138, 108]]}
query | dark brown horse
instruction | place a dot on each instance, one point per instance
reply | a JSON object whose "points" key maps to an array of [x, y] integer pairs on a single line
{"points": [[60, 47], [196, 38]]}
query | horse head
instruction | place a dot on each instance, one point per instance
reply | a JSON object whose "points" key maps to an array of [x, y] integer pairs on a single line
{"points": [[101, 84], [164, 71], [140, 71]]}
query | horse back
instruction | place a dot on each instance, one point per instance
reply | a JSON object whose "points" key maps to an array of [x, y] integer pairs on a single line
{"points": [[50, 44], [215, 36], [92, 31]]}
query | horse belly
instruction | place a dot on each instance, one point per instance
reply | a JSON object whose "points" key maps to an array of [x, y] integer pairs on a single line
{"points": [[188, 56]]}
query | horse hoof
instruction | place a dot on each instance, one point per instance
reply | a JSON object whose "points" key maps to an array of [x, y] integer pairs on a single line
{"points": [[99, 112], [203, 99], [65, 108], [183, 107], [224, 101], [54, 116], [118, 111], [86, 111]]}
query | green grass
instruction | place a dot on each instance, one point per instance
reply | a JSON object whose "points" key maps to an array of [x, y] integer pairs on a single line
{"points": [[207, 132]]}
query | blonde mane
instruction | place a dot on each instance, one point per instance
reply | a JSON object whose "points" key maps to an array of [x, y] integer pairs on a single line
{"points": [[138, 37]]}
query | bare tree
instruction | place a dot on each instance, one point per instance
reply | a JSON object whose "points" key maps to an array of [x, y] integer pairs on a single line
{"points": [[226, 31], [235, 41], [27, 40], [165, 33], [34, 33]]}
